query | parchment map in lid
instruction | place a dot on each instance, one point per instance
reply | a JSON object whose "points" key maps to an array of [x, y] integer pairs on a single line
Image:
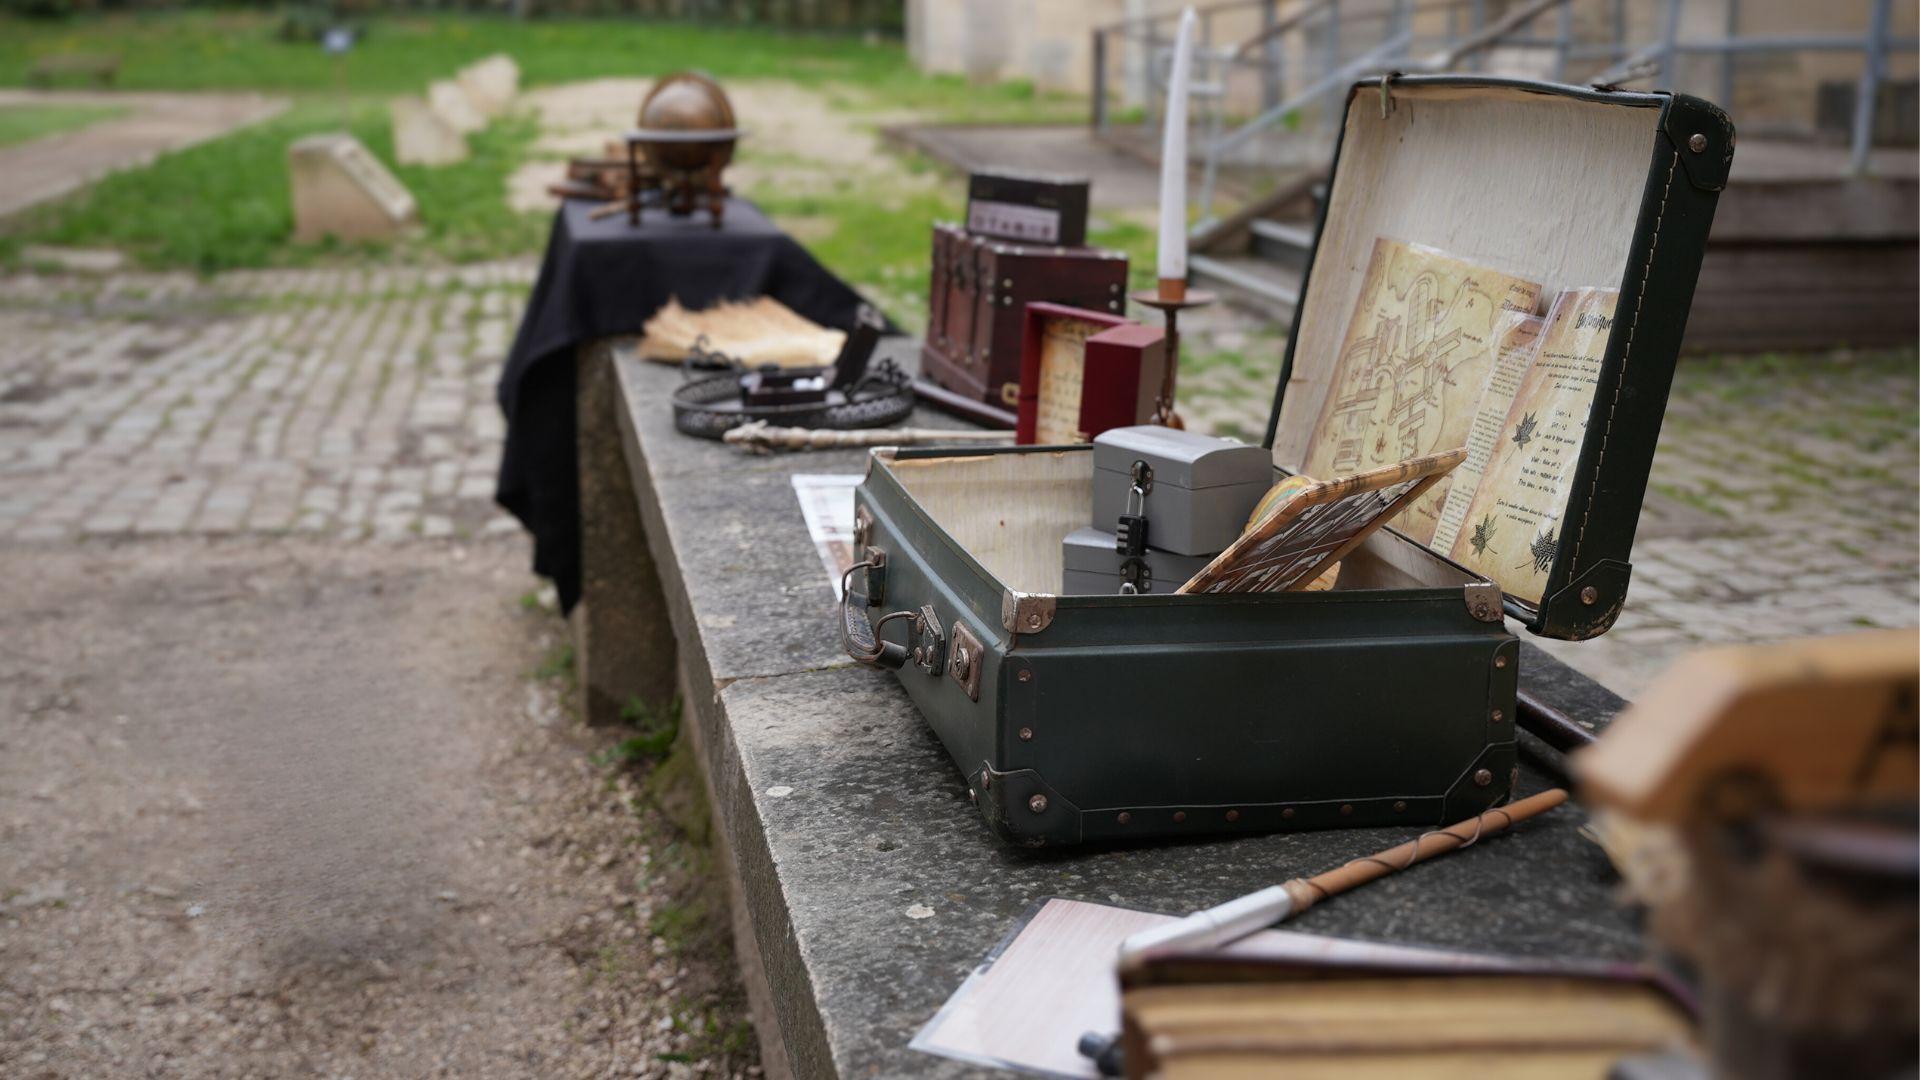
{"points": [[1418, 353]]}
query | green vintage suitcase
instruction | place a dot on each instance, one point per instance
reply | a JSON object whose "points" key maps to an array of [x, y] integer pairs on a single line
{"points": [[1390, 698]]}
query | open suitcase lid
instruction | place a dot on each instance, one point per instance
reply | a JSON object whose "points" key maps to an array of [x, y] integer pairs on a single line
{"points": [[1564, 186]]}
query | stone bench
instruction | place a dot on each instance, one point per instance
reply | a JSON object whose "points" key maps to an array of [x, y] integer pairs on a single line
{"points": [[102, 69], [839, 810]]}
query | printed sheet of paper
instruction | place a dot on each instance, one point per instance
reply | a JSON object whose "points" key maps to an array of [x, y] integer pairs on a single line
{"points": [[1026, 1006], [1063, 372], [826, 502], [1511, 529], [1517, 334], [1418, 353]]}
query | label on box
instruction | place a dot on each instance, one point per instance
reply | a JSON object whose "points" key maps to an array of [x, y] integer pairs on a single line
{"points": [[1013, 221]]}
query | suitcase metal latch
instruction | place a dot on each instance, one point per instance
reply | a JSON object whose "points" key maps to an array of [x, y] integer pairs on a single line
{"points": [[1135, 577], [965, 659], [929, 642]]}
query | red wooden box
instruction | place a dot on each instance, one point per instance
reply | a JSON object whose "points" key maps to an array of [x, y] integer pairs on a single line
{"points": [[1082, 372]]}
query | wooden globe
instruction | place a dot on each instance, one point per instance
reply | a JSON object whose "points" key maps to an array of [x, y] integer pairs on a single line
{"points": [[686, 124]]}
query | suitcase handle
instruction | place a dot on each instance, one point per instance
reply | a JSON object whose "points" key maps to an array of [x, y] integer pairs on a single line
{"points": [[860, 636]]}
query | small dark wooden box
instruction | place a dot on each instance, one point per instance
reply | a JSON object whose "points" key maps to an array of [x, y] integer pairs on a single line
{"points": [[978, 301], [1027, 208]]}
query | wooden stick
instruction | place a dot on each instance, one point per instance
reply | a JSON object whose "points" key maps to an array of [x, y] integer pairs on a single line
{"points": [[1310, 891], [759, 438], [1237, 918]]}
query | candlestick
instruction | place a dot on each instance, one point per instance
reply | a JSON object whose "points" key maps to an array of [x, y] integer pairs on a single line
{"points": [[1173, 166], [1170, 308]]}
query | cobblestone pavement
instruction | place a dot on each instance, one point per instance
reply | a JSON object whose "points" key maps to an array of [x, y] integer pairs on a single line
{"points": [[1784, 502], [347, 403]]}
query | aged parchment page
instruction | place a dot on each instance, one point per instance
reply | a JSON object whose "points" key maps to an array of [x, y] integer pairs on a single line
{"points": [[1418, 353], [1063, 371], [1512, 528], [1517, 335]]}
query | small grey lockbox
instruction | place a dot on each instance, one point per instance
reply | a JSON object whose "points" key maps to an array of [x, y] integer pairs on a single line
{"points": [[1197, 491], [1094, 568]]}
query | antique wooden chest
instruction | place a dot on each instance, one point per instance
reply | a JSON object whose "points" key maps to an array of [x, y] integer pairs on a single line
{"points": [[978, 299], [1388, 699]]}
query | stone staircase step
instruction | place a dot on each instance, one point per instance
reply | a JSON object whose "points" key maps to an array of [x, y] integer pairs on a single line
{"points": [[1262, 285]]}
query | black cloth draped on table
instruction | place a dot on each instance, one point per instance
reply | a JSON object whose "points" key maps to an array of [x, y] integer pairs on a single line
{"points": [[606, 279]]}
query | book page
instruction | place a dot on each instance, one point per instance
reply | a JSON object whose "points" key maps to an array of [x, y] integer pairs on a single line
{"points": [[1418, 353], [1063, 369], [1517, 335], [1511, 530]]}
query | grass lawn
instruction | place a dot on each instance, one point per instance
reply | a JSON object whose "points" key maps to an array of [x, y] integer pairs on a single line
{"points": [[224, 204], [235, 50], [24, 123]]}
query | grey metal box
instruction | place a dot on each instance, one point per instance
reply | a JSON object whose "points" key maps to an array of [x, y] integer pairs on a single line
{"points": [[1198, 489], [1094, 568]]}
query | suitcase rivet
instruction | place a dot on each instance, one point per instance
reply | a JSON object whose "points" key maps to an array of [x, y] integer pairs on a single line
{"points": [[1026, 734], [1006, 283], [1399, 806], [1697, 143], [1287, 814], [986, 779], [1482, 777], [1589, 594], [1006, 301], [1500, 661], [1346, 809], [1033, 620], [1037, 804], [1179, 816], [1026, 675], [1233, 815], [1498, 716], [1124, 817], [973, 796]]}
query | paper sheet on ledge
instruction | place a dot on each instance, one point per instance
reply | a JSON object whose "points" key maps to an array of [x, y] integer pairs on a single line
{"points": [[826, 502], [1051, 981]]}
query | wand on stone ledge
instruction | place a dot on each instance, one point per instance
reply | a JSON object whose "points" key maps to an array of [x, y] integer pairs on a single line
{"points": [[759, 438], [1237, 918]]}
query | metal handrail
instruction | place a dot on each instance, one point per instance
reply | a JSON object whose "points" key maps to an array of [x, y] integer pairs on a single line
{"points": [[1399, 48]]}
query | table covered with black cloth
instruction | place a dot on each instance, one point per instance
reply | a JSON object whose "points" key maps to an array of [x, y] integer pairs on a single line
{"points": [[606, 278]]}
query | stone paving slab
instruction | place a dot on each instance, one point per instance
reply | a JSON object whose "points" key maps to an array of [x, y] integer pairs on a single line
{"points": [[871, 883]]}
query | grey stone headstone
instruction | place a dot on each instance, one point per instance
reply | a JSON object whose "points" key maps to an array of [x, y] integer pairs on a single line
{"points": [[422, 137], [340, 189]]}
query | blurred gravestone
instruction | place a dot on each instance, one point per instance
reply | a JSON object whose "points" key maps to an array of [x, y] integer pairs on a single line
{"points": [[447, 98], [422, 137], [490, 84], [342, 190]]}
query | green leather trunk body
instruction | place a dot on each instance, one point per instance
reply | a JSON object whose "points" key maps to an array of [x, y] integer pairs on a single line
{"points": [[1163, 715]]}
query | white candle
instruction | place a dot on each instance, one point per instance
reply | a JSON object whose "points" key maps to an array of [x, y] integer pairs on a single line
{"points": [[1173, 162]]}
